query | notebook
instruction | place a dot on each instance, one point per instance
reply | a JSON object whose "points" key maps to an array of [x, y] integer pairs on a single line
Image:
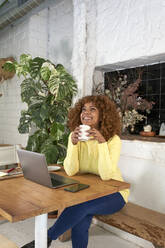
{"points": [[34, 167]]}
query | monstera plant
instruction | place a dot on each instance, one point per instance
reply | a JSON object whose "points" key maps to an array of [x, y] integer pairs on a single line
{"points": [[48, 90]]}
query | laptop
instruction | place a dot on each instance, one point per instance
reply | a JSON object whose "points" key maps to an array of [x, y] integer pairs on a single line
{"points": [[34, 167]]}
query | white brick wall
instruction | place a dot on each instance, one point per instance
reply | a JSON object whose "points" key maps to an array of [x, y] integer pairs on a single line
{"points": [[47, 33], [60, 31], [129, 29], [13, 42]]}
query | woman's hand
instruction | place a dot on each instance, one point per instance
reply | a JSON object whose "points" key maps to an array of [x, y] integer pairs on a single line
{"points": [[74, 136], [96, 135]]}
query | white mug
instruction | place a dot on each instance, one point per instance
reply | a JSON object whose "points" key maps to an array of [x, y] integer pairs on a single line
{"points": [[147, 128], [83, 135]]}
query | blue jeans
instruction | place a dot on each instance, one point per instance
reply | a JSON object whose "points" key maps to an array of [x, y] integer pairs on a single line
{"points": [[79, 218]]}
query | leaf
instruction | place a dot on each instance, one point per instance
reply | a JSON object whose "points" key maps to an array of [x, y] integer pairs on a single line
{"points": [[25, 122], [33, 144], [44, 111], [25, 58], [51, 152], [36, 140], [45, 73], [9, 66], [28, 90], [35, 66], [56, 130], [34, 111], [62, 85], [53, 85]]}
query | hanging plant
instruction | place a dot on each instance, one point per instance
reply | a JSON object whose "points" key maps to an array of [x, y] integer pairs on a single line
{"points": [[4, 75]]}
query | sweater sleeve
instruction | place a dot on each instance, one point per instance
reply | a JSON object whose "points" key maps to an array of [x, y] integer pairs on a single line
{"points": [[108, 156], [71, 162]]}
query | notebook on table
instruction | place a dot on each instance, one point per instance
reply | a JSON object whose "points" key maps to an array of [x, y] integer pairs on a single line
{"points": [[34, 167]]}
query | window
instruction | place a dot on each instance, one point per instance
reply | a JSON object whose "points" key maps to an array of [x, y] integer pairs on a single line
{"points": [[152, 88]]}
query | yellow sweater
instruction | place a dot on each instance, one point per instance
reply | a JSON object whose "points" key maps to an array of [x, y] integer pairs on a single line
{"points": [[92, 157]]}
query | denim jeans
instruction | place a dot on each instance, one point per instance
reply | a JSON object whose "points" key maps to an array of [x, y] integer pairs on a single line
{"points": [[79, 217]]}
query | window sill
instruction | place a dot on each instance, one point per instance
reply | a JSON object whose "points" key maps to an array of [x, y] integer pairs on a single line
{"points": [[142, 138]]}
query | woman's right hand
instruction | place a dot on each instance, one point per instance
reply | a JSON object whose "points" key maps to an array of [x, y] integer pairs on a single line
{"points": [[74, 136]]}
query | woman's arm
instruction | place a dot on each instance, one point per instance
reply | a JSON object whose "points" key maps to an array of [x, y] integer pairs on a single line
{"points": [[71, 162], [108, 156]]}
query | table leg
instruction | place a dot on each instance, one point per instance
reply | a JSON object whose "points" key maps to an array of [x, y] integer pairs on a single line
{"points": [[41, 231]]}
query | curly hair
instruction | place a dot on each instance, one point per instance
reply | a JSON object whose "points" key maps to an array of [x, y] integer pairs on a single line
{"points": [[108, 115]]}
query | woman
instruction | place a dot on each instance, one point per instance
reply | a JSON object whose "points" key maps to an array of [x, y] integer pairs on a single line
{"points": [[99, 155]]}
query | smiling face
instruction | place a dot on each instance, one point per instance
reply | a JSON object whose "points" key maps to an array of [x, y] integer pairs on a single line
{"points": [[90, 115]]}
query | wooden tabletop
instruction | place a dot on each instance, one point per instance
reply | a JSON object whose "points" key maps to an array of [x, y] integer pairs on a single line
{"points": [[21, 199]]}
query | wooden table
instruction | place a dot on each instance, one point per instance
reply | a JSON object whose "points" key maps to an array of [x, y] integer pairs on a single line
{"points": [[21, 199]]}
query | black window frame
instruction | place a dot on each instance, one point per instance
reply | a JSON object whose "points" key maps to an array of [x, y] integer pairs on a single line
{"points": [[152, 88]]}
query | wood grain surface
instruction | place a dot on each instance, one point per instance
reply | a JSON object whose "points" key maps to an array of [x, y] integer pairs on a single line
{"points": [[21, 199], [139, 221]]}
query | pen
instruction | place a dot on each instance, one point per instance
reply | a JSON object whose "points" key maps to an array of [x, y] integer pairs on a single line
{"points": [[10, 170]]}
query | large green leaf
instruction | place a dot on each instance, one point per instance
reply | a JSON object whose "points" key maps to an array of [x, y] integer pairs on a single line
{"points": [[58, 113], [28, 90], [62, 85], [35, 66], [51, 152], [57, 130], [33, 144], [34, 111], [45, 73], [36, 140], [44, 111], [53, 85], [25, 122]]}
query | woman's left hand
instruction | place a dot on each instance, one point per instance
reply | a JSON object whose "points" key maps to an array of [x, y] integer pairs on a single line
{"points": [[96, 135]]}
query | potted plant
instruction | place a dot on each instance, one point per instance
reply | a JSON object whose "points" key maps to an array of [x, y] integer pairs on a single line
{"points": [[48, 90]]}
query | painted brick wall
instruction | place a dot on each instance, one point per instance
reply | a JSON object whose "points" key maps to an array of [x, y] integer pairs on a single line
{"points": [[60, 33], [46, 32], [13, 42], [129, 29]]}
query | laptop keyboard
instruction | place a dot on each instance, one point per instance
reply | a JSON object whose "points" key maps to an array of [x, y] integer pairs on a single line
{"points": [[58, 180], [56, 183]]}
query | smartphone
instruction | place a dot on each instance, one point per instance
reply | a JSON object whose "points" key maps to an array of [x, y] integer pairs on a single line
{"points": [[76, 187]]}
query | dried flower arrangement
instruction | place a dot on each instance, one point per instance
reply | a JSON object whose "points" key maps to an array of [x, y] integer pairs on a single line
{"points": [[124, 93]]}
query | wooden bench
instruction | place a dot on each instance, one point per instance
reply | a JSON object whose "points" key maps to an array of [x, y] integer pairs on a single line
{"points": [[142, 222], [6, 243]]}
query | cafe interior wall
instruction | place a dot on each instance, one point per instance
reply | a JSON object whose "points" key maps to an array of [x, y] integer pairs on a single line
{"points": [[118, 35], [46, 32], [128, 34]]}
